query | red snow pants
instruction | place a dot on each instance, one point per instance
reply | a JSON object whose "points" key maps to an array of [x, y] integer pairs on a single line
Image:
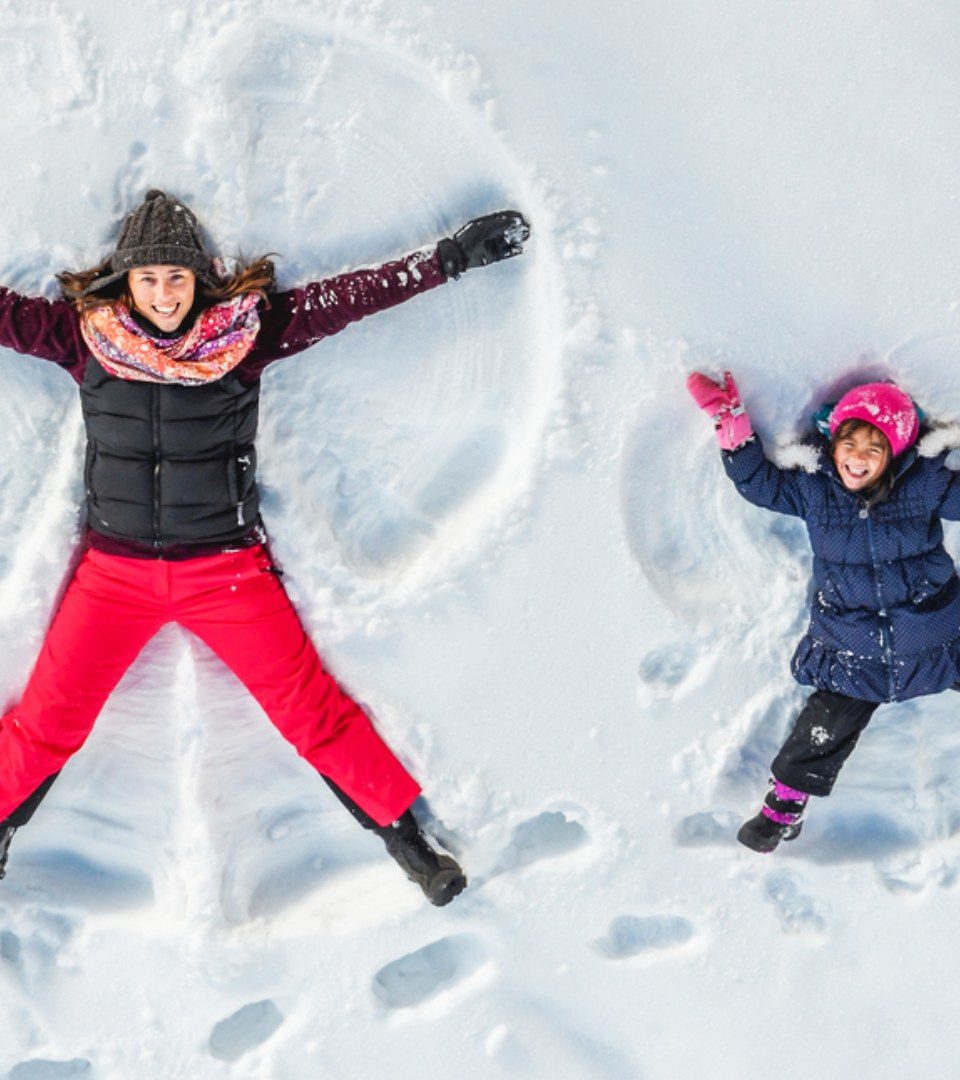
{"points": [[235, 603]]}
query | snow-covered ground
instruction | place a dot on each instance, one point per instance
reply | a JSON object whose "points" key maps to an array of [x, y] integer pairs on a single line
{"points": [[509, 531]]}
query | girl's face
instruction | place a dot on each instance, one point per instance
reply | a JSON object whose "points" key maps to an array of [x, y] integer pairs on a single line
{"points": [[163, 294], [861, 456]]}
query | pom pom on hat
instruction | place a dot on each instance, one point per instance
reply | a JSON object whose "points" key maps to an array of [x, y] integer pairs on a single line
{"points": [[888, 408]]}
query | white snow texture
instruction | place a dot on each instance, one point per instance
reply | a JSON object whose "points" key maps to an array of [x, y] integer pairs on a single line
{"points": [[508, 530]]}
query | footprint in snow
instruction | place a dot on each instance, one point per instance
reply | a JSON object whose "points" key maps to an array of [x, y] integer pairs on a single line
{"points": [[857, 836], [633, 935], [664, 669], [427, 972], [707, 828], [42, 940], [71, 878], [245, 1029], [545, 836], [798, 913], [40, 1069]]}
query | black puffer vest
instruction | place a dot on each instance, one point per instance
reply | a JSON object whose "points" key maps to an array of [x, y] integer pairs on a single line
{"points": [[169, 465]]}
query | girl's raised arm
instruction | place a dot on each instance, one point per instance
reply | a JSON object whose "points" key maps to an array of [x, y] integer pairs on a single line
{"points": [[756, 478]]}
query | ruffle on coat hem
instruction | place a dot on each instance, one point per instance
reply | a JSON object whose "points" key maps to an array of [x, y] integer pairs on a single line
{"points": [[842, 672]]}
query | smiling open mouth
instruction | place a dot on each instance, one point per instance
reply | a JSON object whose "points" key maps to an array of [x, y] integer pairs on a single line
{"points": [[856, 473]]}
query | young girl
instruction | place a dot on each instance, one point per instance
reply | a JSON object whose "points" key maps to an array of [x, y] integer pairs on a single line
{"points": [[885, 614], [168, 351]]}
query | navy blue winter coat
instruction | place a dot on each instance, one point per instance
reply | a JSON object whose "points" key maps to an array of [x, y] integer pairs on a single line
{"points": [[885, 612]]}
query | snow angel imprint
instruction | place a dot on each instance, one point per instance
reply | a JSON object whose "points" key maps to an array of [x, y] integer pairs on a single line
{"points": [[885, 615], [168, 353]]}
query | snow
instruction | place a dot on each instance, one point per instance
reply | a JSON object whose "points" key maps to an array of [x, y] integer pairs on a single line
{"points": [[508, 530]]}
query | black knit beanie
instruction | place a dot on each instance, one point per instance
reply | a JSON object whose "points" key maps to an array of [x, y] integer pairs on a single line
{"points": [[161, 231]]}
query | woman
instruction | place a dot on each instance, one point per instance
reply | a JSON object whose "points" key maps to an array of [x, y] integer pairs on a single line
{"points": [[168, 353]]}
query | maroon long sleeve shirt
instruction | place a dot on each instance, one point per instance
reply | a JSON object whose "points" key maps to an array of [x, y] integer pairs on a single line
{"points": [[289, 323]]}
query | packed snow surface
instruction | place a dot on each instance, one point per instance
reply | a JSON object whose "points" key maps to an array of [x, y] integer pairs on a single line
{"points": [[507, 527]]}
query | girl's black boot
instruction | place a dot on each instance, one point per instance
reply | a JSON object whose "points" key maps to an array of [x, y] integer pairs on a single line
{"points": [[763, 835], [780, 818]]}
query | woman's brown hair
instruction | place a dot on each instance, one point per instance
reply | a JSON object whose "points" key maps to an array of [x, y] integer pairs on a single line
{"points": [[258, 276]]}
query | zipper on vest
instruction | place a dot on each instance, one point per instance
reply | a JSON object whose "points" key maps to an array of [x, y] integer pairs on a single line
{"points": [[886, 628], [240, 466], [155, 424]]}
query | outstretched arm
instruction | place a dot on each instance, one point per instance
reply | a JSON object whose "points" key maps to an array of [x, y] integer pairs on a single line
{"points": [[48, 329], [298, 318], [756, 478]]}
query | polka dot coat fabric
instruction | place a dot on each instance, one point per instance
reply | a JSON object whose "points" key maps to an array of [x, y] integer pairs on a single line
{"points": [[885, 612]]}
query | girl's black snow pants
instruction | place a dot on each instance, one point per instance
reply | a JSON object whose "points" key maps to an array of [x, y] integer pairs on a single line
{"points": [[823, 737]]}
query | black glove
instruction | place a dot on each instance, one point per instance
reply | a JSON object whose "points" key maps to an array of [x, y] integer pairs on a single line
{"points": [[484, 240]]}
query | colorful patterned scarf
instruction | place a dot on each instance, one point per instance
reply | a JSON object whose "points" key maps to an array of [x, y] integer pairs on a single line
{"points": [[219, 339]]}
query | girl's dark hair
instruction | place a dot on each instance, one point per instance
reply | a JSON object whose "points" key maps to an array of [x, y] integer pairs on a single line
{"points": [[848, 427], [258, 276], [883, 485]]}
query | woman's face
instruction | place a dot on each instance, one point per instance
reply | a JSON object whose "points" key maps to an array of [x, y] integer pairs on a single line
{"points": [[861, 457], [163, 294]]}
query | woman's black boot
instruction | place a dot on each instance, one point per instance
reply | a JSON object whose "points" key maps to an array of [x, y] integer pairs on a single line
{"points": [[439, 876], [6, 835]]}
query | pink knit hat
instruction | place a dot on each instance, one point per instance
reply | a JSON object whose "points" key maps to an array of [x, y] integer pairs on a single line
{"points": [[890, 410]]}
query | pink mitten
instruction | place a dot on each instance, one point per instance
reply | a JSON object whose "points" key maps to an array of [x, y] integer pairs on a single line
{"points": [[722, 402]]}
